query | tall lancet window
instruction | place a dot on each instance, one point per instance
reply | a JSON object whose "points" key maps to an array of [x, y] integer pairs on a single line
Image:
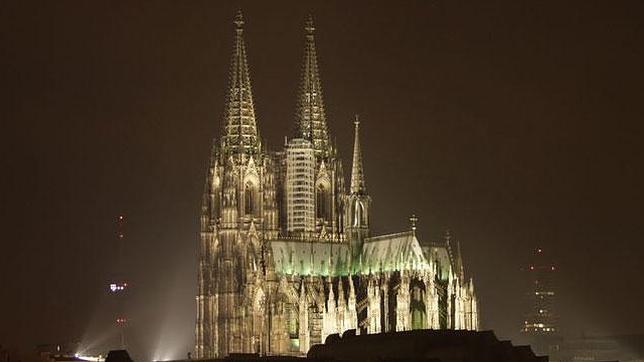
{"points": [[322, 202], [249, 199], [358, 214], [293, 322], [417, 306]]}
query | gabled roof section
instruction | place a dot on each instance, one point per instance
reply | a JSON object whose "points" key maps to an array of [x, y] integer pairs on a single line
{"points": [[392, 252], [240, 133], [310, 116], [440, 260]]}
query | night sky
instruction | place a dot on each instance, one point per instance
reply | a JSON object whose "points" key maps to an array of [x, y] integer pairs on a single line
{"points": [[517, 124]]}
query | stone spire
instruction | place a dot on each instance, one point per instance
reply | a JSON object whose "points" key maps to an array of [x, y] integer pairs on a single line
{"points": [[310, 116], [240, 130], [357, 174]]}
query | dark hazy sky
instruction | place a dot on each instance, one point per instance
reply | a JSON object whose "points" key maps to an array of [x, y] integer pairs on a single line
{"points": [[516, 124]]}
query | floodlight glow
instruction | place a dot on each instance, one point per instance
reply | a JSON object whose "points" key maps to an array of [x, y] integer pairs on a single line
{"points": [[89, 358]]}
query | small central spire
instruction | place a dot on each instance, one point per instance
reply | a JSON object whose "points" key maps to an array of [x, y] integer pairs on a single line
{"points": [[357, 173]]}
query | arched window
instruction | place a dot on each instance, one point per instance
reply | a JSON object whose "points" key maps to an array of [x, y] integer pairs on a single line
{"points": [[249, 199], [293, 322]]}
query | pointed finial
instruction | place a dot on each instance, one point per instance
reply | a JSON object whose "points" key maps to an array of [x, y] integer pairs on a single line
{"points": [[357, 120], [413, 220], [309, 27], [239, 20], [448, 236]]}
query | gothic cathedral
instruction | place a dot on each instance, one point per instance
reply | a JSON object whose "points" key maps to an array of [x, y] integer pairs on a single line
{"points": [[286, 257]]}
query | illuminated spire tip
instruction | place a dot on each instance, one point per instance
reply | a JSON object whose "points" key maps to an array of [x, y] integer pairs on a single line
{"points": [[239, 20], [309, 27]]}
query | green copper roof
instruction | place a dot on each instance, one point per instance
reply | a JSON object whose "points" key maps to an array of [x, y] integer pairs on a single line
{"points": [[301, 257]]}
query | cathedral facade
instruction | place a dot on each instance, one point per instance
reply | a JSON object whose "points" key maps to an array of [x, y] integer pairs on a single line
{"points": [[286, 257]]}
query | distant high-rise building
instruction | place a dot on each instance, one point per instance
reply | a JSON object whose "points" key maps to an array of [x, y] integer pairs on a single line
{"points": [[118, 284], [540, 318], [286, 256], [540, 324]]}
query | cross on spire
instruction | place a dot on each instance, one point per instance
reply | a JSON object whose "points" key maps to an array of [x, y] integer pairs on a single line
{"points": [[413, 219]]}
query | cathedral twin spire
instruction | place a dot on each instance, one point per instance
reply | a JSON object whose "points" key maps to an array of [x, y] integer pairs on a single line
{"points": [[240, 130], [310, 116]]}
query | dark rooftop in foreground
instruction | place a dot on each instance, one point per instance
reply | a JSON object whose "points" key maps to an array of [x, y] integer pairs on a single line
{"points": [[417, 345], [422, 345], [119, 355]]}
